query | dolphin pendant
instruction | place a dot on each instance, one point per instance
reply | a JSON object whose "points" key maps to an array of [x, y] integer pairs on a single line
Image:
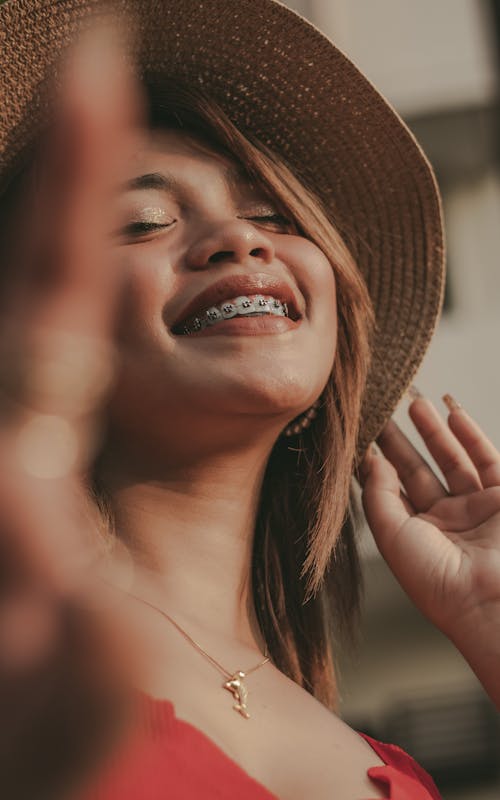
{"points": [[239, 691]]}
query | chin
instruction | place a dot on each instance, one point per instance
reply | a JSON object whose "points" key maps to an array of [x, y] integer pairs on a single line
{"points": [[275, 394]]}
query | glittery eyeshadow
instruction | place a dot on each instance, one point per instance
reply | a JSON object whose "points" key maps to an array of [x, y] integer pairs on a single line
{"points": [[152, 214]]}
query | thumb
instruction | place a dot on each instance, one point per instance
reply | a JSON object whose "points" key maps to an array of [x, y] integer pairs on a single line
{"points": [[418, 553], [385, 509]]}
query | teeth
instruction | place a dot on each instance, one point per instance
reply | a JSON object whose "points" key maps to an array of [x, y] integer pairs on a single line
{"points": [[213, 315], [257, 305], [228, 310], [278, 308], [244, 305], [261, 303]]}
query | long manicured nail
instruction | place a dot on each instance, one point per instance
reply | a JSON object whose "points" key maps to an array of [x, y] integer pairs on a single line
{"points": [[450, 403], [414, 393]]}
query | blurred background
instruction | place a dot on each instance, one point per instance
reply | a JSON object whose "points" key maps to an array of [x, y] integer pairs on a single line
{"points": [[438, 63]]}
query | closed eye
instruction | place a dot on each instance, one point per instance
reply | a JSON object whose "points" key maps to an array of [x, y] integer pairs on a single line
{"points": [[272, 219], [141, 228]]}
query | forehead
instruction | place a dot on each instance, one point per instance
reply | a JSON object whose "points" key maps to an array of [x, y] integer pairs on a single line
{"points": [[182, 152]]}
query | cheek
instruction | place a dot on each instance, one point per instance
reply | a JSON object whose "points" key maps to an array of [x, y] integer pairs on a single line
{"points": [[311, 269], [148, 283], [315, 278], [142, 341]]}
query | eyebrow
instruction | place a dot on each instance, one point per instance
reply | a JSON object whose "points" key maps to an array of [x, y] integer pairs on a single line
{"points": [[167, 182], [152, 180]]}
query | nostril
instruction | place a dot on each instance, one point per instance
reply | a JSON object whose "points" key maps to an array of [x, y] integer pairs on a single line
{"points": [[221, 255]]}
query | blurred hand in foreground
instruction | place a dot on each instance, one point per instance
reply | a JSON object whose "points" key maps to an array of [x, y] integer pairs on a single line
{"points": [[61, 691]]}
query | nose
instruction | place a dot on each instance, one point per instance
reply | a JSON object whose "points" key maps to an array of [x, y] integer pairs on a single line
{"points": [[235, 242]]}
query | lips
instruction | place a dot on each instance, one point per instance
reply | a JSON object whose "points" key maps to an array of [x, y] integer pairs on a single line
{"points": [[232, 286]]}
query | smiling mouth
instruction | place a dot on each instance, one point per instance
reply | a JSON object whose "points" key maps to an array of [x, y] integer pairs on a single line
{"points": [[257, 305]]}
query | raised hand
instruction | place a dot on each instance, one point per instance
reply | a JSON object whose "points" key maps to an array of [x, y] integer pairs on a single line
{"points": [[60, 290], [442, 542]]}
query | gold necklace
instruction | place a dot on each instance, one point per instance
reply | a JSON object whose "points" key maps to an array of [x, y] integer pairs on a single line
{"points": [[234, 682]]}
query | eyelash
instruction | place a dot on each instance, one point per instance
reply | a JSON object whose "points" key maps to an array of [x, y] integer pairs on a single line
{"points": [[277, 219], [138, 228], [141, 228]]}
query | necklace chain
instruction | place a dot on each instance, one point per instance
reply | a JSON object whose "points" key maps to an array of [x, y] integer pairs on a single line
{"points": [[195, 644]]}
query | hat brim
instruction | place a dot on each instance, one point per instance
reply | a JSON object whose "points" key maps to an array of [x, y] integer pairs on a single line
{"points": [[278, 77]]}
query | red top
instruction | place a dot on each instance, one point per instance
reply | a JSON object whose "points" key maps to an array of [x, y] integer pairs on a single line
{"points": [[173, 760]]}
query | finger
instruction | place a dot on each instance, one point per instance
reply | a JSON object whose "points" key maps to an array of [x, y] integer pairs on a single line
{"points": [[79, 172], [409, 507], [382, 501], [482, 452], [416, 551], [420, 482], [465, 512], [407, 504], [61, 315], [57, 519], [28, 629], [455, 464]]}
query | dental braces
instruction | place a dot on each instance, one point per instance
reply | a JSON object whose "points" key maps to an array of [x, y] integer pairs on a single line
{"points": [[245, 307]]}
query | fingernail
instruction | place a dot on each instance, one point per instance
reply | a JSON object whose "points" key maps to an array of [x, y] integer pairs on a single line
{"points": [[451, 403], [414, 393]]}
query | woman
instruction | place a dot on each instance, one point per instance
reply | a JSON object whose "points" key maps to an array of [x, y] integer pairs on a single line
{"points": [[243, 398]]}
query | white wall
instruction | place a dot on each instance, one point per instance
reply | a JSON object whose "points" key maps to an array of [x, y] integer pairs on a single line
{"points": [[465, 354], [423, 55]]}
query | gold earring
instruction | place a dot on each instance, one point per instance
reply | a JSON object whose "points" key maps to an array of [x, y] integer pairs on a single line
{"points": [[302, 422]]}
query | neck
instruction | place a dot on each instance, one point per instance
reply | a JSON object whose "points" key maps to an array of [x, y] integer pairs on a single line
{"points": [[190, 533]]}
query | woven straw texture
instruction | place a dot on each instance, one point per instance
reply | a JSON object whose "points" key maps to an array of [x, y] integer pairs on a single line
{"points": [[278, 77]]}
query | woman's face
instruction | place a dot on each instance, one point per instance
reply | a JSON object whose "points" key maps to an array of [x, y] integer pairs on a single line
{"points": [[198, 237]]}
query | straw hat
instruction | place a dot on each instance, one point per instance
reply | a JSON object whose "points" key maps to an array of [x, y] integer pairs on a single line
{"points": [[277, 76]]}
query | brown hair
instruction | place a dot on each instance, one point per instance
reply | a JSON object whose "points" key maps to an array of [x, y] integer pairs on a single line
{"points": [[306, 579]]}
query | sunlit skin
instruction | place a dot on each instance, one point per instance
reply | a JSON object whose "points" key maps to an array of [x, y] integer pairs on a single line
{"points": [[230, 388], [186, 504], [193, 419], [190, 425]]}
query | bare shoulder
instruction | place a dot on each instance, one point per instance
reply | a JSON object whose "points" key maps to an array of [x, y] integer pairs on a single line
{"points": [[291, 743], [314, 724]]}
